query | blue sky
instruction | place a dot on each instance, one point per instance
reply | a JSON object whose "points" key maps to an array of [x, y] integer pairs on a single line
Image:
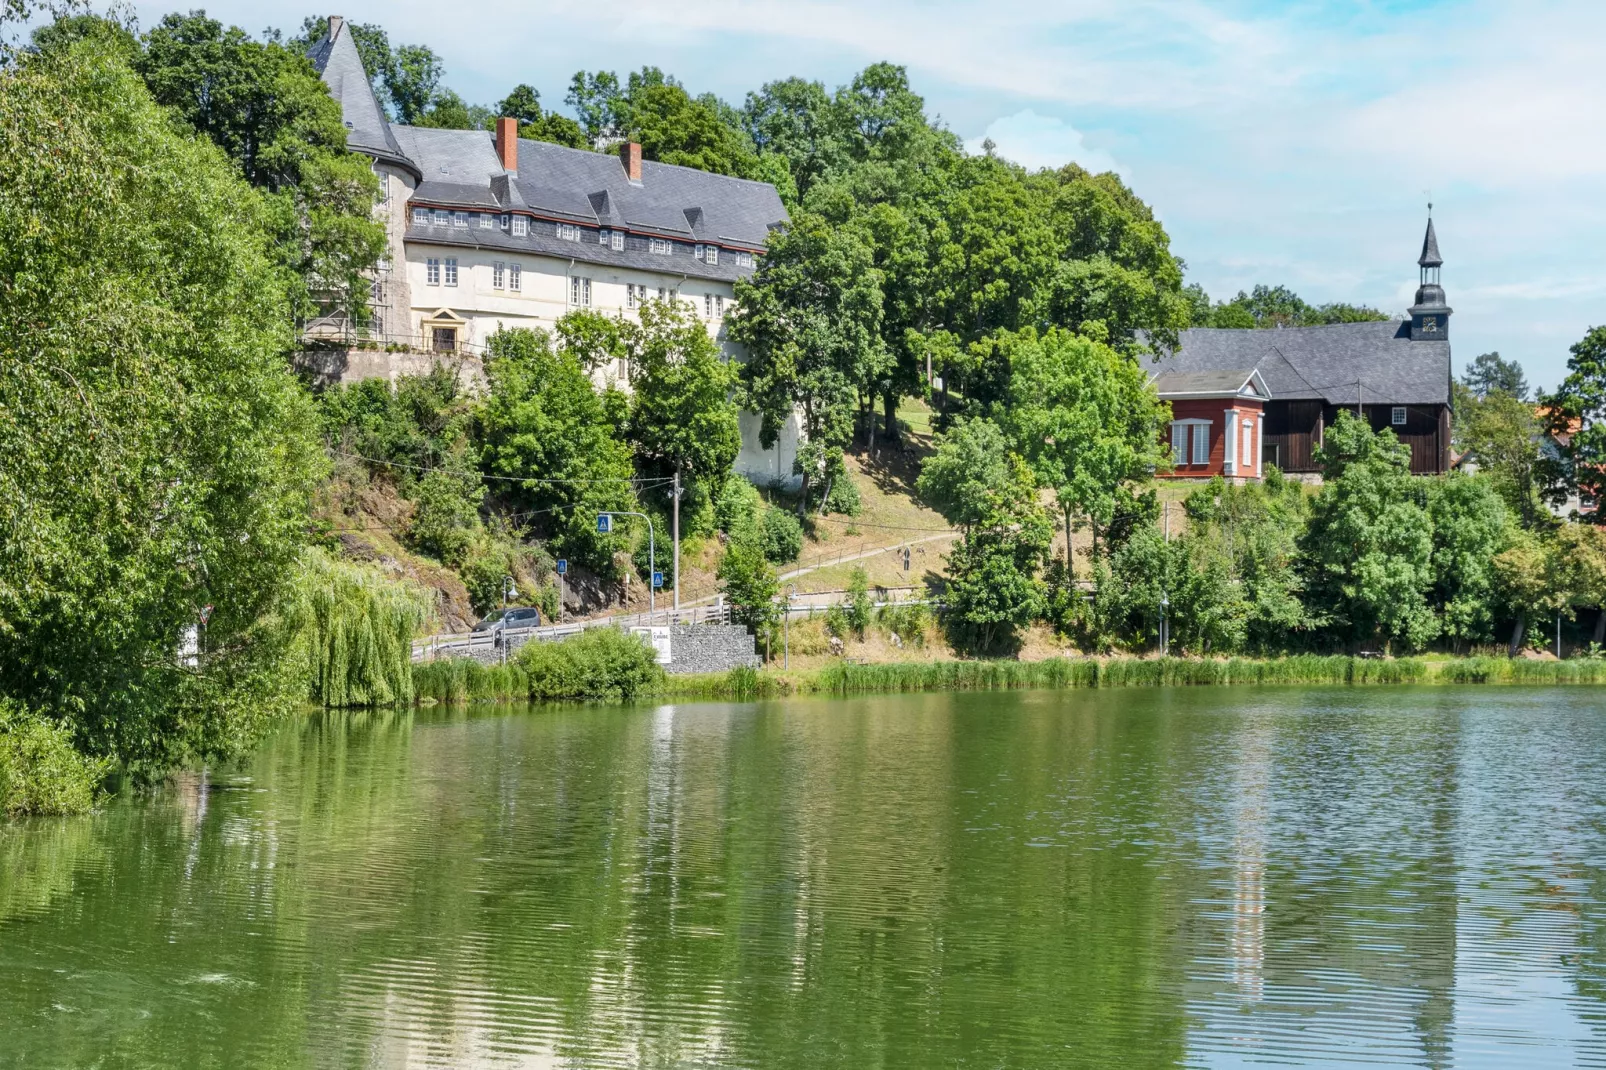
{"points": [[1279, 142]]}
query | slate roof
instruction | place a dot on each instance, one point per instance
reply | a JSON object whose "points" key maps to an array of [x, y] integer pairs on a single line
{"points": [[1227, 383], [1323, 363], [1430, 248], [337, 61]]}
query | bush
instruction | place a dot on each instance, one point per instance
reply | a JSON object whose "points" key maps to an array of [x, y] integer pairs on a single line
{"points": [[602, 663], [737, 507], [782, 536], [909, 623], [464, 680], [860, 603], [40, 770]]}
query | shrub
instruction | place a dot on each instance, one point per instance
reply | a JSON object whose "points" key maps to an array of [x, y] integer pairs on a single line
{"points": [[782, 536], [40, 770], [737, 507], [859, 604], [602, 663], [355, 628]]}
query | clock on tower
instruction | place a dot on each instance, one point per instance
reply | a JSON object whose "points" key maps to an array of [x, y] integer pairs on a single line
{"points": [[1430, 316]]}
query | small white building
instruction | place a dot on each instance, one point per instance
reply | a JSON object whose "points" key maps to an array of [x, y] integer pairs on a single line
{"points": [[491, 230]]}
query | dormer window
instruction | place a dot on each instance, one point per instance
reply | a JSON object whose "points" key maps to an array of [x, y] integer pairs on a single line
{"points": [[487, 221], [443, 218], [459, 219], [521, 226], [660, 246], [711, 254], [420, 217], [504, 220], [617, 241], [744, 259], [568, 232], [697, 252]]}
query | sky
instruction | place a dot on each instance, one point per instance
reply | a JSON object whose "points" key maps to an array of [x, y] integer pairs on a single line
{"points": [[1279, 142]]}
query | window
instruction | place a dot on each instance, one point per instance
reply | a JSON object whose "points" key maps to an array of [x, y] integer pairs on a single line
{"points": [[635, 296], [1399, 416], [1249, 447], [568, 232], [708, 305], [514, 282], [503, 220], [443, 218], [744, 260], [663, 293], [697, 251], [579, 292], [660, 246], [459, 219], [420, 217], [1201, 443], [711, 254], [719, 306], [617, 241], [451, 271], [604, 237], [498, 275], [376, 291], [432, 272], [521, 226], [1229, 444], [1179, 444], [487, 221]]}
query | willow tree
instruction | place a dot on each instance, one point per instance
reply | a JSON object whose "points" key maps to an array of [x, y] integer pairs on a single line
{"points": [[158, 454]]}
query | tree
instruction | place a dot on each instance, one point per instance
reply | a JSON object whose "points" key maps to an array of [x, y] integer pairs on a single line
{"points": [[1086, 418], [1470, 527], [970, 462], [1529, 576], [1576, 415], [810, 317], [1368, 550], [1501, 433], [683, 415], [545, 425], [1278, 306], [158, 453], [413, 79], [749, 582], [993, 590], [1490, 374], [1581, 559], [1253, 530], [673, 128], [262, 103], [524, 104]]}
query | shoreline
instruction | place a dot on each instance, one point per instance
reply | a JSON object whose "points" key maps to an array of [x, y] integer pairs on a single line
{"points": [[460, 681]]}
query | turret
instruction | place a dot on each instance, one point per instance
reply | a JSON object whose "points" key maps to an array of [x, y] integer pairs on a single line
{"points": [[1430, 316]]}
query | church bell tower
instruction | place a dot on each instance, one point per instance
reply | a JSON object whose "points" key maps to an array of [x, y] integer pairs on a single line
{"points": [[1430, 316]]}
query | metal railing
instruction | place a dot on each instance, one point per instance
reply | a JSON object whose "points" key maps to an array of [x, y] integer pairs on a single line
{"points": [[467, 644]]}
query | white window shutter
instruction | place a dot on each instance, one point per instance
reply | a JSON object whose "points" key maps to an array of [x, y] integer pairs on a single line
{"points": [[1229, 445], [1179, 444], [1201, 443]]}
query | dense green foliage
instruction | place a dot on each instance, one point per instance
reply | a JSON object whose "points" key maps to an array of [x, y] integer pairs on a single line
{"points": [[600, 663], [1576, 415], [158, 453], [41, 772], [1273, 306], [354, 633]]}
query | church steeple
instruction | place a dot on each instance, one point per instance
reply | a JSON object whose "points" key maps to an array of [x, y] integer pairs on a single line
{"points": [[1430, 316]]}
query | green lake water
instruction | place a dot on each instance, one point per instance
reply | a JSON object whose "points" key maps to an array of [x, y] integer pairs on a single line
{"points": [[1210, 878]]}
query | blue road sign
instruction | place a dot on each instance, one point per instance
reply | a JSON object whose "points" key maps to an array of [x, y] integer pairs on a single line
{"points": [[657, 579], [604, 524], [563, 566]]}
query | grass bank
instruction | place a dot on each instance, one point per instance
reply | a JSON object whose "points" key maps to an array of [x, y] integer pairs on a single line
{"points": [[457, 681]]}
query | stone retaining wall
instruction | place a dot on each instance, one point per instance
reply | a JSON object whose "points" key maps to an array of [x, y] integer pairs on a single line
{"points": [[693, 648]]}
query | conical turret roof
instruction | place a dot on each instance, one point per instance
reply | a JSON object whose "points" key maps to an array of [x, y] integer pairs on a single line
{"points": [[340, 65], [1430, 248]]}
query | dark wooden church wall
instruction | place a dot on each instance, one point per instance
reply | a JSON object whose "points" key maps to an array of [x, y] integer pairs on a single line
{"points": [[1292, 430]]}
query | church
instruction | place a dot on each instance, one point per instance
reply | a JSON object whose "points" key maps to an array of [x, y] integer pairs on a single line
{"points": [[1243, 400]]}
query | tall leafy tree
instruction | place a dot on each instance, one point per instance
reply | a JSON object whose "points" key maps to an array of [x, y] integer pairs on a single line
{"points": [[1253, 530], [159, 454], [994, 589], [1368, 550], [1490, 373], [810, 318], [971, 460], [1576, 416], [262, 103], [524, 104], [1275, 306], [1470, 527], [1501, 434], [1086, 418], [545, 425]]}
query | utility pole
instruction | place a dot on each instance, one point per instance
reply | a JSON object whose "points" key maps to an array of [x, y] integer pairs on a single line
{"points": [[676, 523]]}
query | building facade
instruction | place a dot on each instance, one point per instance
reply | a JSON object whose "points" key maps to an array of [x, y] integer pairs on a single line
{"points": [[1218, 423], [1395, 374], [487, 230]]}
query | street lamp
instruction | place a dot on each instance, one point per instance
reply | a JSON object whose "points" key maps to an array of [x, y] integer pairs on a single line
{"points": [[605, 527], [786, 628]]}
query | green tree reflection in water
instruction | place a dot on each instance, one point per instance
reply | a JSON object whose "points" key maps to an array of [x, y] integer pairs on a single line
{"points": [[1020, 880]]}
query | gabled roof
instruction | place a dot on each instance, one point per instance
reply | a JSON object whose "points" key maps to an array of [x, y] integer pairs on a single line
{"points": [[460, 167], [340, 66], [1337, 364], [1228, 383]]}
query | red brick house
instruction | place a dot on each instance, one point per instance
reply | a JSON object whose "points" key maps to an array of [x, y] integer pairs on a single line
{"points": [[1218, 423]]}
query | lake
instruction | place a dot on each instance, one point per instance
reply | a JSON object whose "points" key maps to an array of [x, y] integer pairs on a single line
{"points": [[1211, 877]]}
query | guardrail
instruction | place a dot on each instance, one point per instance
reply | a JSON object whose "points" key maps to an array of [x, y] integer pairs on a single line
{"points": [[467, 644]]}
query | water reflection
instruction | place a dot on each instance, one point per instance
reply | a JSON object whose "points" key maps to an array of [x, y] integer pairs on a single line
{"points": [[1204, 878]]}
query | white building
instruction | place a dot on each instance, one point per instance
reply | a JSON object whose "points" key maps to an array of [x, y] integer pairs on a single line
{"points": [[491, 230]]}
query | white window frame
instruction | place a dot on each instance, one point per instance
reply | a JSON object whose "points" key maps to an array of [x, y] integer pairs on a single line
{"points": [[515, 278], [616, 241], [504, 220], [744, 259], [579, 291], [708, 306], [432, 271], [487, 221], [1185, 434], [450, 270], [697, 251], [1249, 446], [460, 219], [568, 232], [1398, 416], [443, 218], [711, 254], [660, 247], [631, 300], [521, 226], [420, 217], [1229, 445], [663, 293], [1201, 442], [498, 275], [719, 306]]}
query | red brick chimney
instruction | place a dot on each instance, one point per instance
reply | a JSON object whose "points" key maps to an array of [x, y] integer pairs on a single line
{"points": [[630, 153], [507, 143]]}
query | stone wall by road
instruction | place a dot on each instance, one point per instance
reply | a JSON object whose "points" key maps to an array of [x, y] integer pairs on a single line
{"points": [[693, 648]]}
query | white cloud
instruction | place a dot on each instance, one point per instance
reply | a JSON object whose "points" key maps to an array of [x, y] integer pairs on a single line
{"points": [[1037, 141]]}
